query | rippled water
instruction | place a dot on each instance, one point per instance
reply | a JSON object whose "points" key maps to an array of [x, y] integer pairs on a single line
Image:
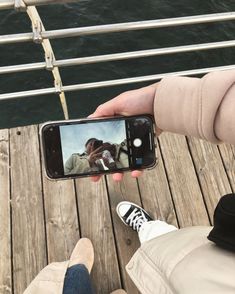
{"points": [[85, 13]]}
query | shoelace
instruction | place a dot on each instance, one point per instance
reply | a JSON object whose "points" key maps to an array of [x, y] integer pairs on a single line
{"points": [[136, 219]]}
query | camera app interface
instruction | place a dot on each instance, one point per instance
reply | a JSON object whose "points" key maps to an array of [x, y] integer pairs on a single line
{"points": [[91, 147]]}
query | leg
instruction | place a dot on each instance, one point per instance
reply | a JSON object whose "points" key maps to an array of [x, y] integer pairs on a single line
{"points": [[77, 280], [153, 229], [140, 221]]}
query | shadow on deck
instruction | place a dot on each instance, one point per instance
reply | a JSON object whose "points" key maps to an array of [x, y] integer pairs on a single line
{"points": [[41, 221]]}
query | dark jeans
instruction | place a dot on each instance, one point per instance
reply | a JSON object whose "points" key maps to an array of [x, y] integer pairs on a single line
{"points": [[77, 280]]}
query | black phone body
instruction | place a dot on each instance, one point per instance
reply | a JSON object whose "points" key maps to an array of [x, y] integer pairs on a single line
{"points": [[86, 147]]}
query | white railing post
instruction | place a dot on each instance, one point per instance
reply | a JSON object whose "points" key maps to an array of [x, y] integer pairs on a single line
{"points": [[38, 28], [19, 5]]}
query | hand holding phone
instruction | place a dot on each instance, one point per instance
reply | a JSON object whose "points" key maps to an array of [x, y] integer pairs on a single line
{"points": [[91, 147], [133, 102]]}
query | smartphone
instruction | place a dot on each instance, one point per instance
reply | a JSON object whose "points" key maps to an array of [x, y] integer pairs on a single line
{"points": [[86, 147]]}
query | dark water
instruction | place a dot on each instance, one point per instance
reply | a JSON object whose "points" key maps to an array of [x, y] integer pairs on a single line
{"points": [[86, 13]]}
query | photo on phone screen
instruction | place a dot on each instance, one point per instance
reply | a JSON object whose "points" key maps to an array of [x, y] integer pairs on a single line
{"points": [[97, 146], [94, 147]]}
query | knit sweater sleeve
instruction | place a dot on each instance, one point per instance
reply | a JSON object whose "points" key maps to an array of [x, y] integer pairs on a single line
{"points": [[204, 108]]}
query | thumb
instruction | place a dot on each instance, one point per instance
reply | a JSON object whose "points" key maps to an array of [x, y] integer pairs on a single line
{"points": [[110, 108]]}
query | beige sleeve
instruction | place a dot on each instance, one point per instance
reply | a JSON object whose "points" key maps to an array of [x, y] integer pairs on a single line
{"points": [[204, 108]]}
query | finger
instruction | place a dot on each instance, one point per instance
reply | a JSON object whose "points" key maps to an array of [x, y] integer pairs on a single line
{"points": [[106, 144], [117, 177], [103, 110], [95, 151], [97, 156], [92, 147], [158, 131], [136, 173], [95, 178], [90, 116], [110, 108]]}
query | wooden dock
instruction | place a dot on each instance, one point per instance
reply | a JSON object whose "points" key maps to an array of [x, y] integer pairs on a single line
{"points": [[41, 220]]}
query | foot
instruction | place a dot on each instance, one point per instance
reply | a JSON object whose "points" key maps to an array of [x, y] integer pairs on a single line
{"points": [[83, 253], [132, 215], [119, 291]]}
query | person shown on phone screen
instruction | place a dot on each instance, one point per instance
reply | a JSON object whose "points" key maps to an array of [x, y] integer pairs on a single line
{"points": [[98, 156]]}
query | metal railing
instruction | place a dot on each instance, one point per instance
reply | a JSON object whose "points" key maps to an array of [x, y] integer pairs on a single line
{"points": [[42, 36], [22, 4], [120, 27], [114, 57]]}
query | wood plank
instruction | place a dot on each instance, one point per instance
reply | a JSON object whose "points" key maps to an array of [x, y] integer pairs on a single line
{"points": [[96, 224], [5, 221], [28, 230], [155, 193], [210, 171], [127, 240], [183, 181], [62, 228], [228, 156], [61, 218]]}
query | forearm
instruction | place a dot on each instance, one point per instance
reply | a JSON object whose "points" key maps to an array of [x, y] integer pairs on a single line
{"points": [[202, 108]]}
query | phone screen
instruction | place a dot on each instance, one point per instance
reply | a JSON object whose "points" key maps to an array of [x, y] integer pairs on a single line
{"points": [[89, 147]]}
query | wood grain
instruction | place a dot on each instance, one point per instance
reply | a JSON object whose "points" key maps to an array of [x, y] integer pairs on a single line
{"points": [[228, 156], [155, 193], [62, 228], [176, 190], [61, 218], [5, 221], [127, 240], [95, 223], [210, 171], [183, 181], [28, 230]]}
